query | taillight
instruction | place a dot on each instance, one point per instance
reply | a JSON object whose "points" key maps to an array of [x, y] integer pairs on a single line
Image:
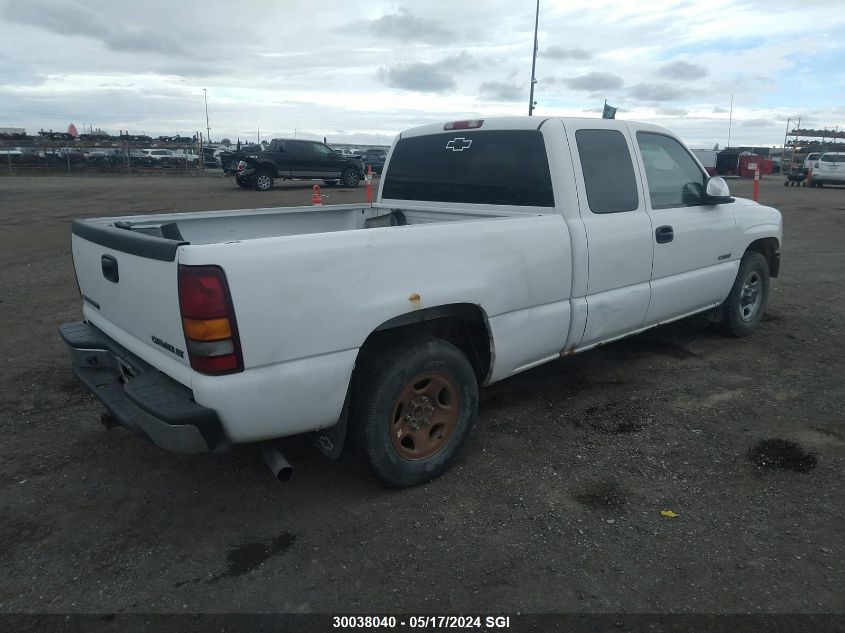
{"points": [[241, 166], [208, 320], [464, 125]]}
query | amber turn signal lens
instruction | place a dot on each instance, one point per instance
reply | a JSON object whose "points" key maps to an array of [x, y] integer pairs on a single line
{"points": [[207, 329]]}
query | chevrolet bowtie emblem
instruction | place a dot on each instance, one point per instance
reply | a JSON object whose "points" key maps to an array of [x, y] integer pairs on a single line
{"points": [[459, 144]]}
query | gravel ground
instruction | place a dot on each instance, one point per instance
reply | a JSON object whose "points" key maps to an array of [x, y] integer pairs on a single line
{"points": [[557, 505]]}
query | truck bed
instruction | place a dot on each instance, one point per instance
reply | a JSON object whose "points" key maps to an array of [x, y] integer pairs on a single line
{"points": [[247, 224]]}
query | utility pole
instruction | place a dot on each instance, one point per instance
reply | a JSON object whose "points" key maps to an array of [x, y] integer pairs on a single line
{"points": [[730, 119], [207, 126], [534, 61]]}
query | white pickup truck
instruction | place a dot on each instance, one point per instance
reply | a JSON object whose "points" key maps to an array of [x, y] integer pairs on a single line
{"points": [[495, 245]]}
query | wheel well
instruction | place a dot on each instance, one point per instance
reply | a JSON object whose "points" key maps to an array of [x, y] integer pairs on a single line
{"points": [[464, 325], [769, 248]]}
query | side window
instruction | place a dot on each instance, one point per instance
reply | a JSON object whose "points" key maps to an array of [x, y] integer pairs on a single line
{"points": [[674, 178], [320, 150], [608, 171]]}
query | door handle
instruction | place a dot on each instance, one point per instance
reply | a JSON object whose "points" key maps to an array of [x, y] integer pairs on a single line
{"points": [[109, 265], [664, 234]]}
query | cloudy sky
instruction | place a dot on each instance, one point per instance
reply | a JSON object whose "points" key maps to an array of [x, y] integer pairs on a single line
{"points": [[362, 72]]}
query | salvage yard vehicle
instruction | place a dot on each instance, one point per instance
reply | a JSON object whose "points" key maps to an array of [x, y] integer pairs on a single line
{"points": [[290, 158], [494, 246], [829, 169], [374, 159]]}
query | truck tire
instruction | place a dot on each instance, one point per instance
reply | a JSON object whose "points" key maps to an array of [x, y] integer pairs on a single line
{"points": [[745, 305], [413, 407], [246, 183], [263, 181], [350, 178]]}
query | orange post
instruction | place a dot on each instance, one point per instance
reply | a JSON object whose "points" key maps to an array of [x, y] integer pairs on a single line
{"points": [[369, 179], [810, 176], [316, 199], [756, 184]]}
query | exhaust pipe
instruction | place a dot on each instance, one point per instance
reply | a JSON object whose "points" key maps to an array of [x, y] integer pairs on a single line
{"points": [[282, 470]]}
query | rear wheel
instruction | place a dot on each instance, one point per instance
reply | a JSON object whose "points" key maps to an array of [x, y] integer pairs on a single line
{"points": [[263, 181], [350, 178], [414, 405], [244, 182], [744, 307]]}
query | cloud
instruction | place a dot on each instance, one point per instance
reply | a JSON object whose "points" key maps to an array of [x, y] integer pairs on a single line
{"points": [[757, 123], [720, 110], [672, 111], [404, 25], [594, 81], [66, 19], [558, 52], [417, 77], [500, 91], [460, 61], [437, 77], [658, 92], [682, 70]]}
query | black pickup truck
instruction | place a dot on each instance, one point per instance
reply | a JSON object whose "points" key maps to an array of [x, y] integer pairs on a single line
{"points": [[290, 158]]}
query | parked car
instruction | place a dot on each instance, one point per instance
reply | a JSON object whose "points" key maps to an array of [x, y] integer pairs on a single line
{"points": [[494, 246], [181, 155], [810, 160], [829, 169], [157, 154], [374, 159], [291, 158]]}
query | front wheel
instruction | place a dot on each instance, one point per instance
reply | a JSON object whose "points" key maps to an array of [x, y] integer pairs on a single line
{"points": [[744, 307], [350, 178], [414, 405]]}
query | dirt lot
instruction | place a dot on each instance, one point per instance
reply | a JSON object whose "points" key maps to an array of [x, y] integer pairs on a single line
{"points": [[556, 505]]}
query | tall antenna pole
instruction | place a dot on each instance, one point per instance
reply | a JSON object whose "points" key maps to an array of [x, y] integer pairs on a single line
{"points": [[730, 119], [534, 61], [207, 126]]}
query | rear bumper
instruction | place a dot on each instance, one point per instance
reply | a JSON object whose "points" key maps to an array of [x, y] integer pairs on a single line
{"points": [[141, 398], [834, 179]]}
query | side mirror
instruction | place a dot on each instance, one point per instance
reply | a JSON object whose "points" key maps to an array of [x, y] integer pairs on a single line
{"points": [[716, 191]]}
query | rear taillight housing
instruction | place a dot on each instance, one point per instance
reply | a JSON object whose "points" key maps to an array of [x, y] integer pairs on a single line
{"points": [[208, 320], [241, 166]]}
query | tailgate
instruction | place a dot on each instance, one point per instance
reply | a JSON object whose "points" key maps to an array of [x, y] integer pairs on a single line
{"points": [[128, 281]]}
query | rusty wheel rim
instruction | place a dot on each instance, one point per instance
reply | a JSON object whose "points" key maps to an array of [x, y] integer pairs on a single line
{"points": [[424, 416]]}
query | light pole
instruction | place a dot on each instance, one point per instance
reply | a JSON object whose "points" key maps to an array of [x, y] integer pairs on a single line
{"points": [[207, 127], [730, 119], [534, 61]]}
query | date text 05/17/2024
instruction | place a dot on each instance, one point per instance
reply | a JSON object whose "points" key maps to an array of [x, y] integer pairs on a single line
{"points": [[421, 622]]}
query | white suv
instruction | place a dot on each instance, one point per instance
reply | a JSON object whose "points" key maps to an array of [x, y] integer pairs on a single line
{"points": [[829, 169], [158, 154], [810, 161]]}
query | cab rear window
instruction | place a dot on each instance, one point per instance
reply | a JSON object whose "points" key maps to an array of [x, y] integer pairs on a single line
{"points": [[501, 167], [833, 158]]}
